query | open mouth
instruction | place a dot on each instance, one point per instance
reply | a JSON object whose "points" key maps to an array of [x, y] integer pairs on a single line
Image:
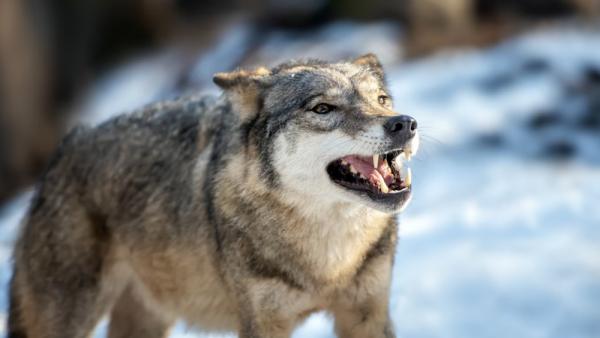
{"points": [[380, 176]]}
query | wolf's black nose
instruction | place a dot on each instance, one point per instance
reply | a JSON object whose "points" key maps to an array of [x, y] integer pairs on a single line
{"points": [[403, 124]]}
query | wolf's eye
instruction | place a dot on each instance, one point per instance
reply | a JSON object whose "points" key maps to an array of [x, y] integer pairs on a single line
{"points": [[323, 108], [383, 100]]}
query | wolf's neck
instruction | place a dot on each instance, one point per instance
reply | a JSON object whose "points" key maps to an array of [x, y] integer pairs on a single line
{"points": [[341, 238], [332, 237], [329, 238]]}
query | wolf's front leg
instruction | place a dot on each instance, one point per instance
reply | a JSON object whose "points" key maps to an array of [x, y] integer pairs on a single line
{"points": [[363, 323], [361, 311], [270, 309]]}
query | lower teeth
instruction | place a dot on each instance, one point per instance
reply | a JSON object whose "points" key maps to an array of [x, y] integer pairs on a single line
{"points": [[408, 179], [384, 188]]}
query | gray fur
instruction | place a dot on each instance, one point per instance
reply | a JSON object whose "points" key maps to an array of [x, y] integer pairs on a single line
{"points": [[180, 210]]}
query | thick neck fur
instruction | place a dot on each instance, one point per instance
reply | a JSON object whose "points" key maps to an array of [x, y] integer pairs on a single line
{"points": [[327, 241]]}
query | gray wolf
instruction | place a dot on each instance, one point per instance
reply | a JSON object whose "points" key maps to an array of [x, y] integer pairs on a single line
{"points": [[245, 212]]}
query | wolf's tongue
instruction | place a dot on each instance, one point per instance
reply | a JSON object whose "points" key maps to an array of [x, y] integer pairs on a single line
{"points": [[381, 177]]}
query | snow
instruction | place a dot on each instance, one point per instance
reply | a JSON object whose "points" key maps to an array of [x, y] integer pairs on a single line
{"points": [[501, 239]]}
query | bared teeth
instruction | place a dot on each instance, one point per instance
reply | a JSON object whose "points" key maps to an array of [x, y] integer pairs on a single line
{"points": [[397, 163], [382, 185], [384, 188], [375, 161], [353, 170], [380, 181], [404, 174], [408, 178]]}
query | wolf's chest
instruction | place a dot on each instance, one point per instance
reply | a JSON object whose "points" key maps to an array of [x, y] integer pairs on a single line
{"points": [[335, 252]]}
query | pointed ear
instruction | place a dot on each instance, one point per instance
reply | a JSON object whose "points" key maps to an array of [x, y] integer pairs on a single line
{"points": [[244, 89], [371, 61], [242, 78]]}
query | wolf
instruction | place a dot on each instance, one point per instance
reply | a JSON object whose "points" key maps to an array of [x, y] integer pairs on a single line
{"points": [[244, 212]]}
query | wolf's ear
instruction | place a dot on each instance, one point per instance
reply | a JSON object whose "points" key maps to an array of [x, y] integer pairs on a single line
{"points": [[242, 78], [371, 61], [244, 88]]}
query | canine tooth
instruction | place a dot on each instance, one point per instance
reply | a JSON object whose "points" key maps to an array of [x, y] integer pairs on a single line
{"points": [[375, 160], [408, 179], [381, 184], [353, 170], [408, 154], [397, 163], [384, 188]]}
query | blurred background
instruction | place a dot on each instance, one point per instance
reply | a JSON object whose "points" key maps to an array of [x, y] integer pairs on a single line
{"points": [[502, 237]]}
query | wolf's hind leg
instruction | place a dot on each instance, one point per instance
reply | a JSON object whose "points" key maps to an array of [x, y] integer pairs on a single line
{"points": [[54, 316], [63, 281], [15, 328], [56, 313], [132, 318]]}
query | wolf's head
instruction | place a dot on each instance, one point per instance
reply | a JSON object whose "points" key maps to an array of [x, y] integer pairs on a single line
{"points": [[325, 132]]}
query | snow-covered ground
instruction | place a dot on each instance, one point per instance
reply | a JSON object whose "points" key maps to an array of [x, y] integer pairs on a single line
{"points": [[502, 236]]}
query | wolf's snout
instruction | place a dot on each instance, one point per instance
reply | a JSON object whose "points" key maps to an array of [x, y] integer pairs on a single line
{"points": [[402, 125]]}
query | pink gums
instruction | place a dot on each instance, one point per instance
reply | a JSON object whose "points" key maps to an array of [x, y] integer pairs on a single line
{"points": [[364, 165]]}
